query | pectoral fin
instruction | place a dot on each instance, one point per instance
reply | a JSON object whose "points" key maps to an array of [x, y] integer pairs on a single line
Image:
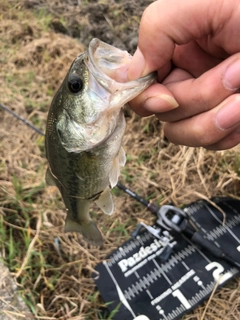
{"points": [[114, 173], [88, 229], [122, 157], [50, 180], [105, 202], [118, 162]]}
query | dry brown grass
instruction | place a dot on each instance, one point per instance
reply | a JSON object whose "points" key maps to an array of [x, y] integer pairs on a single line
{"points": [[58, 284]]}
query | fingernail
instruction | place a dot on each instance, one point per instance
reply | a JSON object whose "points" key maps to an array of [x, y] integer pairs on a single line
{"points": [[137, 65], [160, 103], [229, 115], [231, 79]]}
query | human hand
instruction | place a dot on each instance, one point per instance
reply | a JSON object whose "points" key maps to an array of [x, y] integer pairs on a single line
{"points": [[195, 47]]}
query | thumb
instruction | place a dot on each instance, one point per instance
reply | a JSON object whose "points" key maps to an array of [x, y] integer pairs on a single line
{"points": [[166, 23]]}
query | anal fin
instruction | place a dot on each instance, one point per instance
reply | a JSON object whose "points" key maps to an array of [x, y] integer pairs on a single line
{"points": [[105, 202]]}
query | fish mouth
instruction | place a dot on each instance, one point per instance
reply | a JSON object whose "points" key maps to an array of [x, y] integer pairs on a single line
{"points": [[108, 66], [109, 61]]}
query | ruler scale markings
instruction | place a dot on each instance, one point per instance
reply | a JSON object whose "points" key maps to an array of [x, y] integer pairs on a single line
{"points": [[181, 255], [149, 294], [175, 313], [178, 311], [150, 279], [216, 232], [181, 309], [134, 245], [140, 240], [198, 297], [142, 285], [185, 265], [145, 281], [231, 207], [135, 289], [139, 286], [131, 293], [127, 295], [175, 259], [196, 248], [219, 221], [153, 275], [155, 272], [161, 271], [193, 301], [231, 224], [234, 270], [169, 316], [235, 222], [177, 256]]}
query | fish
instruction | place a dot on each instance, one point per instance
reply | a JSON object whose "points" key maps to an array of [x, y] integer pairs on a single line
{"points": [[84, 133]]}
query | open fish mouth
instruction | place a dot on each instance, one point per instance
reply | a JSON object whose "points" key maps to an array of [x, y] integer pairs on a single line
{"points": [[108, 61], [109, 66]]}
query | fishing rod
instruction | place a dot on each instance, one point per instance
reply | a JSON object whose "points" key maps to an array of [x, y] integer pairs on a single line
{"points": [[27, 123]]}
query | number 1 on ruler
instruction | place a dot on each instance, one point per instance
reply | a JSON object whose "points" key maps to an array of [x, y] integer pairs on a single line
{"points": [[178, 294]]}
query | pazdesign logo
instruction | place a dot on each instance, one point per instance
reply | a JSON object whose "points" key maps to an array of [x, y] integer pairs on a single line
{"points": [[143, 252]]}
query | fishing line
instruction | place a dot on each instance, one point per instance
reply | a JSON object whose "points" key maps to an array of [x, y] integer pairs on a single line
{"points": [[27, 123]]}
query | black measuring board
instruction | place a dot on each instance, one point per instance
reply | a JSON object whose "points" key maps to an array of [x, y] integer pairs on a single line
{"points": [[136, 280]]}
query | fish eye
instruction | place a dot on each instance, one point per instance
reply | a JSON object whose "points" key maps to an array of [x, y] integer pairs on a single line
{"points": [[75, 83]]}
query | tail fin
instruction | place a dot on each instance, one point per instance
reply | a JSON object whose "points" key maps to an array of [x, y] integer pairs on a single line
{"points": [[88, 229]]}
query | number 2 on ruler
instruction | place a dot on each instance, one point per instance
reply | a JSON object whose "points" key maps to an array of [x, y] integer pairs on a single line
{"points": [[217, 275], [218, 272]]}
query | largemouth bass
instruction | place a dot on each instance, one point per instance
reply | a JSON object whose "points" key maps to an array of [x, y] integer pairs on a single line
{"points": [[85, 127]]}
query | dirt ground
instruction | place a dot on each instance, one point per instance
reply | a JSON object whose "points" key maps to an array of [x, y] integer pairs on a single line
{"points": [[38, 41]]}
